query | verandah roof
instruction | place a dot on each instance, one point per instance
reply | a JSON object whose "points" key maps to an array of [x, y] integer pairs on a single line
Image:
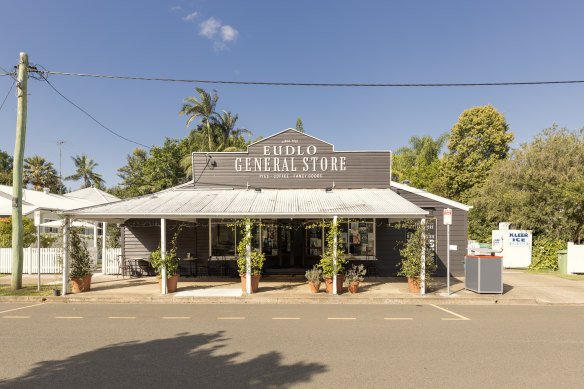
{"points": [[183, 202]]}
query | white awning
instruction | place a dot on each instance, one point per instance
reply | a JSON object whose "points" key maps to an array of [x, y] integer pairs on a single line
{"points": [[185, 202], [60, 223]]}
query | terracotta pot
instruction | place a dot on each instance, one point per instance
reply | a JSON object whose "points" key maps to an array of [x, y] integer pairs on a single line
{"points": [[171, 284], [413, 285], [76, 285], [87, 282], [255, 283], [354, 287], [329, 283], [314, 288]]}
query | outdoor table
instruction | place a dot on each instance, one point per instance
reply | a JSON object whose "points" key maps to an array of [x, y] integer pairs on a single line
{"points": [[191, 264]]}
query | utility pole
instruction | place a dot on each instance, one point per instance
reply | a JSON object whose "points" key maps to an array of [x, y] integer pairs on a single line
{"points": [[59, 144], [17, 252]]}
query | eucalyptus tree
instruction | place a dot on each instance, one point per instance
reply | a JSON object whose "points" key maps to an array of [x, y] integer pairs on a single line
{"points": [[84, 167], [202, 107], [40, 173]]}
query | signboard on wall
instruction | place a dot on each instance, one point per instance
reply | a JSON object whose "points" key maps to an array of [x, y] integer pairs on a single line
{"points": [[447, 216], [291, 159], [37, 218]]}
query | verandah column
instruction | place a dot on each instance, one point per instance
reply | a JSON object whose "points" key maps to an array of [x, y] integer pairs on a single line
{"points": [[103, 239], [163, 252], [248, 259], [335, 254], [423, 259], [66, 230]]}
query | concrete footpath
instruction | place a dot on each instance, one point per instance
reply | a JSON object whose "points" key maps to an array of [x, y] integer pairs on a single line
{"points": [[519, 288]]}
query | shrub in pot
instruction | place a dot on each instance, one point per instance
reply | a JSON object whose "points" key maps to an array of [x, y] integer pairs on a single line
{"points": [[411, 253], [353, 276], [314, 277], [333, 248], [80, 275], [170, 262]]}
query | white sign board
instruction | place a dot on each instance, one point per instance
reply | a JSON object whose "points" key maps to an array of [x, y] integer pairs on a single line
{"points": [[37, 218], [447, 216]]}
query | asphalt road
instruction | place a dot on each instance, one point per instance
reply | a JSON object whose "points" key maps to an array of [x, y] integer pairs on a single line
{"points": [[235, 346]]}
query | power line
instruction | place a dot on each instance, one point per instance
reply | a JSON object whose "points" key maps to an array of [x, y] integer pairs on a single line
{"points": [[7, 73], [7, 94], [316, 84], [89, 115]]}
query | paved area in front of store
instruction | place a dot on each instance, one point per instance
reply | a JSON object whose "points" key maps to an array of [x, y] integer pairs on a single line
{"points": [[519, 288]]}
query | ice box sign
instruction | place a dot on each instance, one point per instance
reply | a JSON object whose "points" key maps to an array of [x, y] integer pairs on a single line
{"points": [[518, 239]]}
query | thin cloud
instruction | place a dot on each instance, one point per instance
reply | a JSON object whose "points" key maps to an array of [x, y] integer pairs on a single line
{"points": [[219, 33], [175, 8], [190, 17]]}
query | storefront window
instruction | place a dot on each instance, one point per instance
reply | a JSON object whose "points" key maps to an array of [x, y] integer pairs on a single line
{"points": [[222, 239], [313, 241], [361, 238], [270, 238]]}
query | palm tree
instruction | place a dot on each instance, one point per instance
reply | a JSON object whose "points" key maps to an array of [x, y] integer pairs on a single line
{"points": [[40, 173], [203, 107], [84, 171], [225, 128]]}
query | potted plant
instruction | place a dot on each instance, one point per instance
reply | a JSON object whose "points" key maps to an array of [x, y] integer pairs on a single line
{"points": [[334, 248], [411, 253], [80, 264], [170, 262], [314, 277], [256, 257], [355, 275]]}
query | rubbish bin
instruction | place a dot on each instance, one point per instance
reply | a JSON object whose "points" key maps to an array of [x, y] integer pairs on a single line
{"points": [[562, 261], [483, 273]]}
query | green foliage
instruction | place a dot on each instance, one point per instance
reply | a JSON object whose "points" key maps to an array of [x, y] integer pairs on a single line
{"points": [[354, 274], [314, 275], [257, 258], [419, 162], [333, 247], [202, 107], [29, 232], [84, 167], [6, 161], [40, 174], [411, 251], [544, 253], [170, 260], [299, 125], [80, 260], [540, 187], [48, 240], [477, 142]]}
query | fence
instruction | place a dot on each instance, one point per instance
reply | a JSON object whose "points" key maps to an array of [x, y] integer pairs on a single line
{"points": [[50, 260]]}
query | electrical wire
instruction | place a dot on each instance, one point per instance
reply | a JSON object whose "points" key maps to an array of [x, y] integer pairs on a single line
{"points": [[7, 94], [7, 73], [316, 84], [89, 115]]}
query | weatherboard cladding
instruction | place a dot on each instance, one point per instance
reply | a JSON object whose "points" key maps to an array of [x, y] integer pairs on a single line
{"points": [[294, 160]]}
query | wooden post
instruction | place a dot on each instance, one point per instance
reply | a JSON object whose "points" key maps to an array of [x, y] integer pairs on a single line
{"points": [[335, 255], [423, 259], [103, 246], [163, 252], [17, 238], [248, 259], [66, 231]]}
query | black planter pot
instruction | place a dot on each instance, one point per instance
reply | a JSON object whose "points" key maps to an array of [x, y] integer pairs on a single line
{"points": [[56, 292]]}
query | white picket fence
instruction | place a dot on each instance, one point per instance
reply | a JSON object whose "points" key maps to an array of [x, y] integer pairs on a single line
{"points": [[50, 262], [110, 264]]}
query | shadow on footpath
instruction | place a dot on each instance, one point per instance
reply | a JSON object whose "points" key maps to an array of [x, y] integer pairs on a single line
{"points": [[187, 360]]}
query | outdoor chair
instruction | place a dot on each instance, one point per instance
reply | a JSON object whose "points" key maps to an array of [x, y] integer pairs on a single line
{"points": [[124, 268], [202, 268], [145, 267]]}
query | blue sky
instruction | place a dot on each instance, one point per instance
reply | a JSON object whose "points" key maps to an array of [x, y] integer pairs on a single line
{"points": [[295, 41]]}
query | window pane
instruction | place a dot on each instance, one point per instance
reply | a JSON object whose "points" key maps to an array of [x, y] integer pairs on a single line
{"points": [[222, 240], [361, 238], [270, 239], [255, 241], [314, 241]]}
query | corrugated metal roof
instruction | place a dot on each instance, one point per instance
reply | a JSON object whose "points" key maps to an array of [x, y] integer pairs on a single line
{"points": [[432, 196], [182, 202]]}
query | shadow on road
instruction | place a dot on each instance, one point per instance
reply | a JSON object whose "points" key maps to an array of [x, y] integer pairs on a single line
{"points": [[187, 360]]}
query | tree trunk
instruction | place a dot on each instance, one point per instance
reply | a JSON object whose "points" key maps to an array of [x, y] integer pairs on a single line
{"points": [[209, 133]]}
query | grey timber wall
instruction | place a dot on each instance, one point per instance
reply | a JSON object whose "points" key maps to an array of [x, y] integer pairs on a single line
{"points": [[458, 231], [291, 159], [387, 249]]}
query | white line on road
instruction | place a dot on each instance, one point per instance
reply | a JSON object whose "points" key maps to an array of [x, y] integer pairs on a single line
{"points": [[398, 318], [460, 317], [16, 309], [176, 317], [231, 318], [342, 318], [121, 317], [285, 318], [16, 317], [68, 317]]}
